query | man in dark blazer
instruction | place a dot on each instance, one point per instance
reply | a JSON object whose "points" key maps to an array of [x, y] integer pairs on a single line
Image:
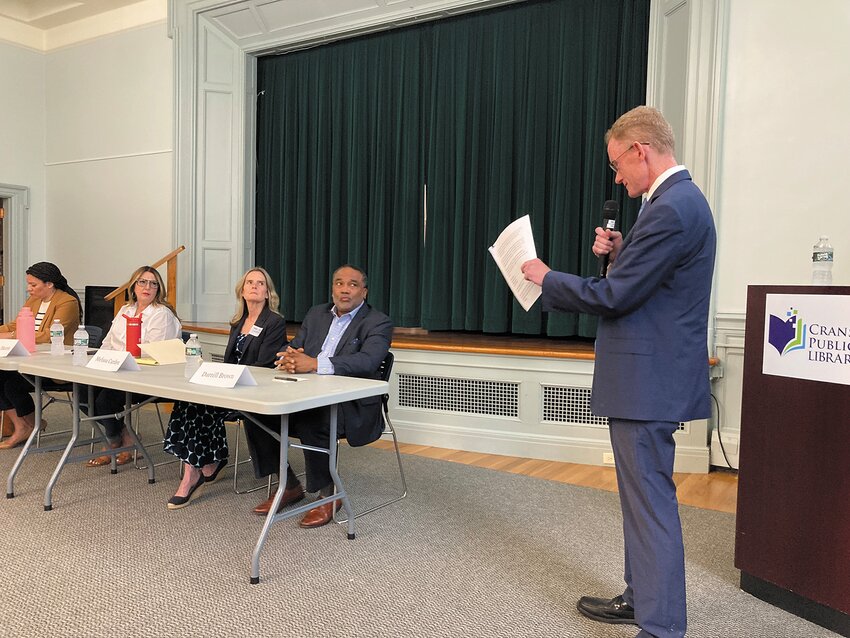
{"points": [[347, 337], [651, 369]]}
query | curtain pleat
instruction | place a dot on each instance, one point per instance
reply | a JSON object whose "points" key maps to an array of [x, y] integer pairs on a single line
{"points": [[494, 114]]}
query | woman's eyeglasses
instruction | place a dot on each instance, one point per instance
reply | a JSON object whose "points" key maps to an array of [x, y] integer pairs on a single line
{"points": [[147, 283]]}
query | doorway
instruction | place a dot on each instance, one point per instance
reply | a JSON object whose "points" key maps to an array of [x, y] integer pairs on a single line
{"points": [[2, 260]]}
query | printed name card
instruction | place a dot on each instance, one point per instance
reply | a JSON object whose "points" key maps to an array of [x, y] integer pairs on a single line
{"points": [[112, 361], [13, 347], [223, 375]]}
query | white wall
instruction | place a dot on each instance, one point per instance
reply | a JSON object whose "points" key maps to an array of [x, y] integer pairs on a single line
{"points": [[109, 122], [786, 144], [785, 156], [22, 136]]}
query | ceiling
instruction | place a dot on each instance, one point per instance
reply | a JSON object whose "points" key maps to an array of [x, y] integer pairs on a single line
{"points": [[47, 14]]}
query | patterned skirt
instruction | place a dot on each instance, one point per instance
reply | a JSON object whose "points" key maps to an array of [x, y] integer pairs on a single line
{"points": [[196, 434]]}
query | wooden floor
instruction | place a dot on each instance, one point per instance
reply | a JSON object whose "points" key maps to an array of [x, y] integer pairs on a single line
{"points": [[713, 491]]}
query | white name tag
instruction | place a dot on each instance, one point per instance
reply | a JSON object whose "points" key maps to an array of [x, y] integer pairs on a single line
{"points": [[223, 375], [13, 347], [112, 361], [255, 331]]}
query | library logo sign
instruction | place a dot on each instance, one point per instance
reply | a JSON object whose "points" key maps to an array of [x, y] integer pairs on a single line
{"points": [[807, 337]]}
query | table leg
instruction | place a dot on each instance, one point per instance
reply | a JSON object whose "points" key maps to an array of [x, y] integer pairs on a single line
{"points": [[141, 448], [284, 460], [332, 454], [10, 482], [75, 433]]}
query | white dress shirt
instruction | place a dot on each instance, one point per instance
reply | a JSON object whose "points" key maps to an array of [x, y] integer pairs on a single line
{"points": [[158, 324]]}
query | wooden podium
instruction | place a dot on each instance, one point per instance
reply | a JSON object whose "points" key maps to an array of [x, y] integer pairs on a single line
{"points": [[792, 538]]}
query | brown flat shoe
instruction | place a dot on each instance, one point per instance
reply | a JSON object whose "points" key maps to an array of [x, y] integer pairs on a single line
{"points": [[122, 458], [8, 428], [8, 444], [97, 461]]}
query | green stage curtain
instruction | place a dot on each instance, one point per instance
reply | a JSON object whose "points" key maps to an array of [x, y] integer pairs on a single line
{"points": [[409, 151]]}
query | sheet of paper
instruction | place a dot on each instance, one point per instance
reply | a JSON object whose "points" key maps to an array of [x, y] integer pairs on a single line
{"points": [[165, 352], [514, 246]]}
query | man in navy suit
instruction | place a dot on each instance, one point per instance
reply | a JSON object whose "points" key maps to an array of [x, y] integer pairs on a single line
{"points": [[651, 369], [349, 338]]}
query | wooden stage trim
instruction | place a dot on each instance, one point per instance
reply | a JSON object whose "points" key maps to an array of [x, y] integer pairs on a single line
{"points": [[457, 342], [503, 345]]}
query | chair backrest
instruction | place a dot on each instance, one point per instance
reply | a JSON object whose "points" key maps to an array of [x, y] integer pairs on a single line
{"points": [[386, 367], [385, 370], [95, 335]]}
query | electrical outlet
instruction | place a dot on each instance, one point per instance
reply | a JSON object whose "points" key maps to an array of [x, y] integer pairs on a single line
{"points": [[608, 458]]}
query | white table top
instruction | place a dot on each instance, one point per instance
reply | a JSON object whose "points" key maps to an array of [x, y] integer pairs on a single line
{"points": [[267, 397], [12, 362]]}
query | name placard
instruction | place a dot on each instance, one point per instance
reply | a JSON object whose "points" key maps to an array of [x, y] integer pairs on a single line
{"points": [[13, 347], [112, 361], [223, 375]]}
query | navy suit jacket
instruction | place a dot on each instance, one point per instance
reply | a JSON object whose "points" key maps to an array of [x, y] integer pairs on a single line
{"points": [[260, 350], [359, 353], [651, 350]]}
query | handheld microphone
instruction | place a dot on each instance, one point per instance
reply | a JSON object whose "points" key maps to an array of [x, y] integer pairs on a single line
{"points": [[610, 211]]}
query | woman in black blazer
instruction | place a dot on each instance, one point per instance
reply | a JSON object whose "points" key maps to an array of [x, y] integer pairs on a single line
{"points": [[196, 433]]}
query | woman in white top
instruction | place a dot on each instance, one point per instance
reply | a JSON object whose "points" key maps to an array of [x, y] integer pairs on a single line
{"points": [[159, 323]]}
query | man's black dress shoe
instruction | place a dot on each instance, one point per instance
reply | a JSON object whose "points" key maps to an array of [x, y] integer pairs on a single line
{"points": [[609, 610]]}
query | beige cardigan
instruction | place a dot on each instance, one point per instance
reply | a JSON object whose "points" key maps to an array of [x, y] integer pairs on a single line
{"points": [[63, 307]]}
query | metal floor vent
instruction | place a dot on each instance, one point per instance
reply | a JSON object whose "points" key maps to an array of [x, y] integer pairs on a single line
{"points": [[470, 396], [562, 404]]}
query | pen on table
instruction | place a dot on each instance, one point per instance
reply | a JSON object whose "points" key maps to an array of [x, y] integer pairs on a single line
{"points": [[277, 378]]}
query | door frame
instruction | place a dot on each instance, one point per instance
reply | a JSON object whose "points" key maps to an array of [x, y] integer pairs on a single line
{"points": [[15, 247]]}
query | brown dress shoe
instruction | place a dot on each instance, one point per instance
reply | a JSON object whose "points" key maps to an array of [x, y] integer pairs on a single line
{"points": [[290, 495], [320, 515]]}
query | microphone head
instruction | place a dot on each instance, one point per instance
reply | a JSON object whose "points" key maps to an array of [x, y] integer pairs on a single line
{"points": [[610, 210]]}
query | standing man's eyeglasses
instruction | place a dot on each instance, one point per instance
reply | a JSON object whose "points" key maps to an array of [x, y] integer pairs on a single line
{"points": [[613, 163]]}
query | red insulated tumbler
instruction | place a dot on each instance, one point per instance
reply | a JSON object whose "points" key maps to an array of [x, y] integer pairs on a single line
{"points": [[134, 335]]}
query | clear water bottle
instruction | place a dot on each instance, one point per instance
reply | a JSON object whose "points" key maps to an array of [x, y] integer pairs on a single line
{"points": [[193, 356], [57, 338], [822, 262], [80, 348]]}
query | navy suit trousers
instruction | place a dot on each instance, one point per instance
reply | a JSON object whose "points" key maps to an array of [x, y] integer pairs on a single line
{"points": [[654, 552]]}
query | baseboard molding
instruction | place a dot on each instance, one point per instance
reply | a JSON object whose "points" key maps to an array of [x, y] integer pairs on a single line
{"points": [[549, 448], [730, 445]]}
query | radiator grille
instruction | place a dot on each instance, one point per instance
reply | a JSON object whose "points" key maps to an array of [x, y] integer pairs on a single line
{"points": [[447, 394], [562, 404]]}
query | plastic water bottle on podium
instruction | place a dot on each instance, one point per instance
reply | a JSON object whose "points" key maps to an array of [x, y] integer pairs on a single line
{"points": [[193, 356], [822, 262], [81, 345], [57, 338]]}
